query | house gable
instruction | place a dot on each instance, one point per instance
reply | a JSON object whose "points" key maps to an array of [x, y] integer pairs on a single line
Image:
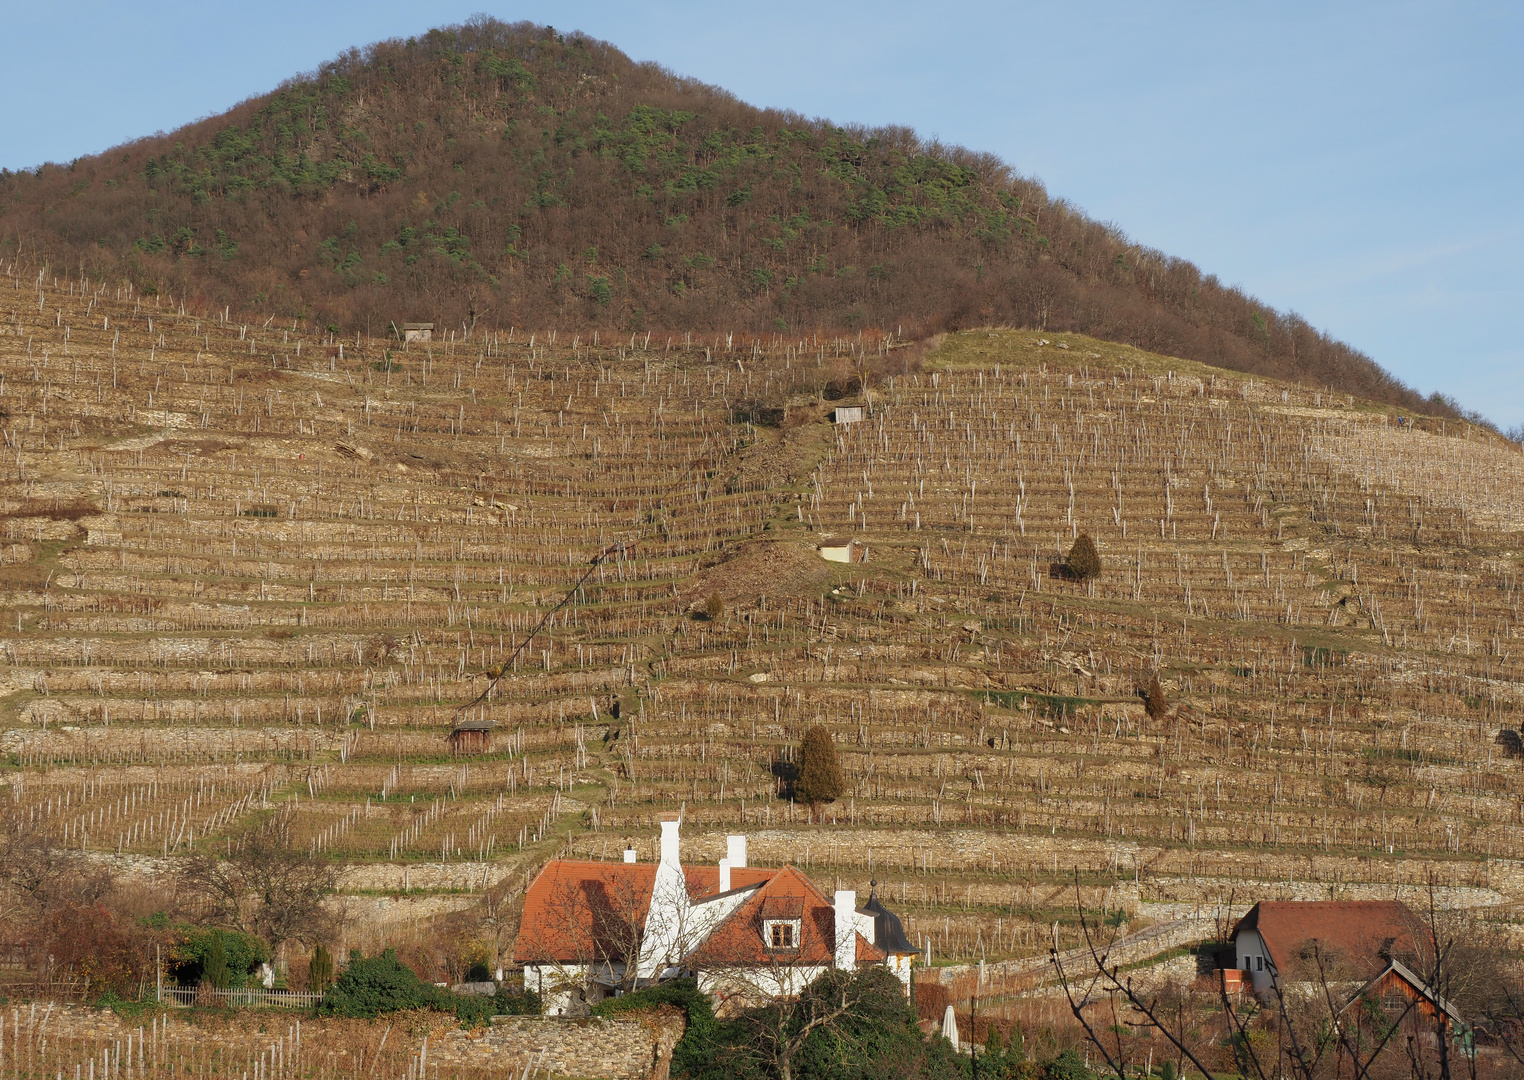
{"points": [[1346, 938], [744, 937]]}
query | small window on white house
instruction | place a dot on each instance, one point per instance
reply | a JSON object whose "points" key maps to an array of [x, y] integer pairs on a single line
{"points": [[1260, 960], [1248, 963], [781, 933]]}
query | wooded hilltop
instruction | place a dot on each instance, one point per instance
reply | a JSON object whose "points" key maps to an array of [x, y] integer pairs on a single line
{"points": [[515, 176]]}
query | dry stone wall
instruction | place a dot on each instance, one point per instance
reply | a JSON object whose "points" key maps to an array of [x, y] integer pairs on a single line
{"points": [[609, 1049]]}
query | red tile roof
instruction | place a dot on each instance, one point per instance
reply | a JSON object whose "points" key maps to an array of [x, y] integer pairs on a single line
{"points": [[869, 953], [580, 911], [783, 907], [1359, 934], [738, 940]]}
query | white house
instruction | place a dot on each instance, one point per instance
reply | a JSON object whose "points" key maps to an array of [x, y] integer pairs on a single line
{"points": [[592, 929], [1281, 940]]}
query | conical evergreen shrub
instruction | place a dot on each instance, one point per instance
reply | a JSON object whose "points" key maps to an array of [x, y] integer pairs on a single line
{"points": [[819, 777], [1084, 561], [215, 969], [1155, 704], [320, 970]]}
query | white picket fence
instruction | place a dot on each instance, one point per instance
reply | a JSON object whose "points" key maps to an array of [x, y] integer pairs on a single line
{"points": [[193, 995]]}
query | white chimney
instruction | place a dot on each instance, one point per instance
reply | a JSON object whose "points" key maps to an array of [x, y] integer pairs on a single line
{"points": [[665, 942], [629, 854], [735, 851], [724, 875], [846, 929], [670, 844]]}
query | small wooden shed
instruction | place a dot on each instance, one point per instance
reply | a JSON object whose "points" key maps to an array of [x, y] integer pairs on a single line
{"points": [[1397, 985], [417, 331], [471, 737], [848, 414]]}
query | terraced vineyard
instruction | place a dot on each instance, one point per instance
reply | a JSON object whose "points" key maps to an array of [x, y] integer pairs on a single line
{"points": [[256, 569]]}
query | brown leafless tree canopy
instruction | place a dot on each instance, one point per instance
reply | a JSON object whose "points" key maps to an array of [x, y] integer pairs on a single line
{"points": [[512, 175], [264, 886]]}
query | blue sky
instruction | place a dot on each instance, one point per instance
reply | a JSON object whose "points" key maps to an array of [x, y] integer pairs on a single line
{"points": [[1359, 163]]}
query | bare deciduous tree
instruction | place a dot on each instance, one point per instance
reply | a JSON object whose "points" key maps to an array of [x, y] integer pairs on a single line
{"points": [[591, 933], [1324, 1017], [265, 886]]}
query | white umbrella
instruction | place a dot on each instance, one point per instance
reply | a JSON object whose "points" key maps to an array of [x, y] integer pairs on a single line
{"points": [[950, 1027]]}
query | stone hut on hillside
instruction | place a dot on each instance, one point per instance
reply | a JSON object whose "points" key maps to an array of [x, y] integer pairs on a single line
{"points": [[842, 551], [417, 331]]}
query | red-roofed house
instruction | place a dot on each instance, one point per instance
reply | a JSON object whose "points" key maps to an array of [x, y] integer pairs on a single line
{"points": [[1352, 939], [592, 929]]}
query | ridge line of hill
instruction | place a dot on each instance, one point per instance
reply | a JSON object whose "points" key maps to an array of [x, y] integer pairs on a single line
{"points": [[514, 175]]}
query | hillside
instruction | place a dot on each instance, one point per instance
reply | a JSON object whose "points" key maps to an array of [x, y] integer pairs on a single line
{"points": [[503, 175], [246, 572]]}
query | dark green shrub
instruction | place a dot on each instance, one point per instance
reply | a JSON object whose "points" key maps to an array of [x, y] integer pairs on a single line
{"points": [[1070, 1066], [1084, 561], [516, 1002], [374, 985], [1002, 1059], [877, 1037], [214, 966], [224, 958], [473, 1010], [320, 970], [380, 984], [819, 777]]}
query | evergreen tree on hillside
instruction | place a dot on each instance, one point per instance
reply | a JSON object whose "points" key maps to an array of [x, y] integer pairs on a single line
{"points": [[320, 970], [1155, 704], [819, 779], [1084, 561]]}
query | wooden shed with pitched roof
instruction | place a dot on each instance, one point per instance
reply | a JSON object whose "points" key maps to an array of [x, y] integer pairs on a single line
{"points": [[469, 737]]}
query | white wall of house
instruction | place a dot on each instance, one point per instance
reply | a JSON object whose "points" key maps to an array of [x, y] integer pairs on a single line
{"points": [[758, 982], [568, 989], [1254, 959]]}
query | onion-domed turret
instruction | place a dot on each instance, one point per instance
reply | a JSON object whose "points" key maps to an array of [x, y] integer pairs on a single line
{"points": [[888, 932]]}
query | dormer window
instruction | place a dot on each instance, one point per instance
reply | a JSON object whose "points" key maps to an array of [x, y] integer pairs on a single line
{"points": [[781, 933], [782, 922]]}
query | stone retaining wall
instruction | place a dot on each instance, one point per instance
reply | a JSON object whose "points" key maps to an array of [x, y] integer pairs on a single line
{"points": [[636, 1047]]}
